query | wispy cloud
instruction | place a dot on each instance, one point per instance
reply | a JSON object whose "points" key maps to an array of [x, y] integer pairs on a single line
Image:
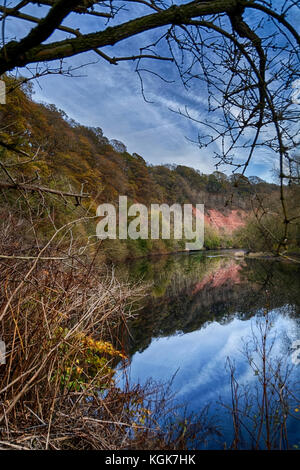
{"points": [[110, 97]]}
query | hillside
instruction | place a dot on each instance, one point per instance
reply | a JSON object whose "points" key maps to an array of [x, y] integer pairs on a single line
{"points": [[71, 156]]}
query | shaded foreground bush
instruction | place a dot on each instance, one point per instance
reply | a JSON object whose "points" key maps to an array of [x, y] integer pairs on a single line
{"points": [[63, 322]]}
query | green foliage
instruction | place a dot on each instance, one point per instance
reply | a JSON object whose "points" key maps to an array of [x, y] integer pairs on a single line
{"points": [[264, 235], [212, 240], [83, 359]]}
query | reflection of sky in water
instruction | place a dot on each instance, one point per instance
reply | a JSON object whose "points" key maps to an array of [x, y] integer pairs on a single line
{"points": [[199, 359]]}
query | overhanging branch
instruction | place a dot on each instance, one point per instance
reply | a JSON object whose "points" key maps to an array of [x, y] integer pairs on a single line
{"points": [[27, 51]]}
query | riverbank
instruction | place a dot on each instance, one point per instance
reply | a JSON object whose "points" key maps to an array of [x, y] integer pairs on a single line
{"points": [[234, 252], [291, 257]]}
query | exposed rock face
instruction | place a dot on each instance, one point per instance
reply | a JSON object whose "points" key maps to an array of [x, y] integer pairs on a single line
{"points": [[226, 222], [228, 273]]}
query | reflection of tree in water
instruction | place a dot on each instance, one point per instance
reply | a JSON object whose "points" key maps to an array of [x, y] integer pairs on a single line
{"points": [[281, 280], [189, 291]]}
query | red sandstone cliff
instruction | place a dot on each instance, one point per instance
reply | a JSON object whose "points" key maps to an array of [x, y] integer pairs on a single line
{"points": [[226, 222]]}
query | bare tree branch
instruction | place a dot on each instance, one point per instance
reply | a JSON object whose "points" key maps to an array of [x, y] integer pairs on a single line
{"points": [[41, 189]]}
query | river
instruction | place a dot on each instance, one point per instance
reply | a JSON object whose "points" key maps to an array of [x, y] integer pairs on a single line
{"points": [[206, 309]]}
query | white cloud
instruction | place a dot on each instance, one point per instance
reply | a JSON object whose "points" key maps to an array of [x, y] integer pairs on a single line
{"points": [[200, 357]]}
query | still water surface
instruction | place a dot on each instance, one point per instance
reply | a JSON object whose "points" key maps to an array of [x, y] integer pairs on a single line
{"points": [[204, 309]]}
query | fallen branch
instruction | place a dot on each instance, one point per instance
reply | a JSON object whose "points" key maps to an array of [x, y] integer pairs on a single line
{"points": [[14, 149], [30, 187], [49, 258]]}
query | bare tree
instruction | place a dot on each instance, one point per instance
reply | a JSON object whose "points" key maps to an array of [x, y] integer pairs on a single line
{"points": [[244, 51], [261, 412]]}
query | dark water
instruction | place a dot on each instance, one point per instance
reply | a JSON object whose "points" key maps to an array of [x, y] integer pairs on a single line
{"points": [[203, 310]]}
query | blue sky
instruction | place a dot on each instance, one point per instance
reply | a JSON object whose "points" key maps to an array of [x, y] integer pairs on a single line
{"points": [[197, 362], [202, 366], [110, 97]]}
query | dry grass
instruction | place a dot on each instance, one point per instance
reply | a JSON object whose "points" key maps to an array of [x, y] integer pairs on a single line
{"points": [[64, 324], [46, 329]]}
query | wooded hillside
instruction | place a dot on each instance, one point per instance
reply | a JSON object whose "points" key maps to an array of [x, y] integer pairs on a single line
{"points": [[70, 156]]}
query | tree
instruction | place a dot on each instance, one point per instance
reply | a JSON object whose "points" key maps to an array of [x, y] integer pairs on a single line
{"points": [[245, 51], [118, 146]]}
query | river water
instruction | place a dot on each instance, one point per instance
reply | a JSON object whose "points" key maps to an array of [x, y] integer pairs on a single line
{"points": [[206, 311]]}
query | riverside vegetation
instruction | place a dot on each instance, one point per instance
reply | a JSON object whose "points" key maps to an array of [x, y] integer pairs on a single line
{"points": [[64, 313]]}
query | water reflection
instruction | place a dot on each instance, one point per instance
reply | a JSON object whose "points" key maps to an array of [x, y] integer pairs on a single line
{"points": [[189, 291], [201, 310]]}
